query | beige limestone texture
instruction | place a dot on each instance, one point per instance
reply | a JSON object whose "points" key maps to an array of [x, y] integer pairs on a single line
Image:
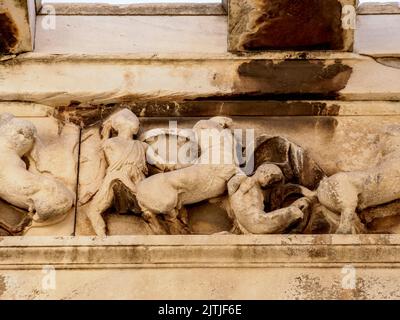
{"points": [[376, 8], [133, 34], [109, 79], [374, 34]]}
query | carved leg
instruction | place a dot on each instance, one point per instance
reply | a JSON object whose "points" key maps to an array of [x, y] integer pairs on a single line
{"points": [[260, 222], [102, 201], [348, 220], [359, 227], [350, 223], [184, 216], [175, 225], [153, 222], [98, 223], [340, 194]]}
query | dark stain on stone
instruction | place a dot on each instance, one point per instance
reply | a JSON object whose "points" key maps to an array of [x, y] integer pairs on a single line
{"points": [[125, 201], [295, 25], [8, 33], [4, 233], [86, 114], [389, 62], [292, 77], [13, 221]]}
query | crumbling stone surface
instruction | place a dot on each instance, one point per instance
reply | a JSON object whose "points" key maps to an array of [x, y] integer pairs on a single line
{"points": [[288, 25]]}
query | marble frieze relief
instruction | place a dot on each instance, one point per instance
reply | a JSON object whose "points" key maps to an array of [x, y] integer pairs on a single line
{"points": [[238, 175], [126, 174]]}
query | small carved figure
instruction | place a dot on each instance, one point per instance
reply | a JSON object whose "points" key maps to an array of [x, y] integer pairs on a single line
{"points": [[246, 203], [126, 166], [44, 197], [166, 193]]}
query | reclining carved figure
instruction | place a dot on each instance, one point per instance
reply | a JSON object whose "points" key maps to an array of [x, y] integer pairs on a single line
{"points": [[166, 193], [44, 197]]}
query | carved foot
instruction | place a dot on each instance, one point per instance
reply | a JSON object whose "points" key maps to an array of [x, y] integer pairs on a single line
{"points": [[98, 224], [359, 227], [153, 223], [352, 227], [294, 214], [345, 228], [176, 226]]}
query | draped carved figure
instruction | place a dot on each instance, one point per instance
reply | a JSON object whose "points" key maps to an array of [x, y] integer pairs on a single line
{"points": [[125, 167]]}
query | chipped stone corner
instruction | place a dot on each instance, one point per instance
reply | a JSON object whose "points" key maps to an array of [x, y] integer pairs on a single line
{"points": [[17, 26]]}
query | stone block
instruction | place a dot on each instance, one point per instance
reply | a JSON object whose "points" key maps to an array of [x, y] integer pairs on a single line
{"points": [[17, 26], [203, 267], [256, 25]]}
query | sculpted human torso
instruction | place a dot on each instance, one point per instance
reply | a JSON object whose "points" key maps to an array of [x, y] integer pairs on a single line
{"points": [[126, 155]]}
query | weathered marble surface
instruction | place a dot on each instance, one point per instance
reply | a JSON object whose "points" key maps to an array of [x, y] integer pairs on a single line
{"points": [[104, 79], [289, 25], [202, 267]]}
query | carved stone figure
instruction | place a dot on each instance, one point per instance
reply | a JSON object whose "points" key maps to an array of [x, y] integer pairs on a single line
{"points": [[166, 193], [246, 200], [45, 197], [349, 192], [126, 166]]}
